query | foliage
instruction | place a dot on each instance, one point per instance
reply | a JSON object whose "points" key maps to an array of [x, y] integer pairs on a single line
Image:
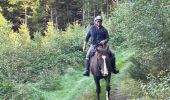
{"points": [[25, 60], [22, 91], [117, 25], [157, 87], [5, 29], [14, 39], [50, 80], [5, 87], [49, 34], [24, 35], [148, 34]]}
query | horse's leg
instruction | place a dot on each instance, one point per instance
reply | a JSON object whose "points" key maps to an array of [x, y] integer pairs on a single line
{"points": [[107, 87], [97, 87]]}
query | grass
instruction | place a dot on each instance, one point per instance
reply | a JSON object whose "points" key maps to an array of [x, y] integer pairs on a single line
{"points": [[73, 84], [77, 87]]}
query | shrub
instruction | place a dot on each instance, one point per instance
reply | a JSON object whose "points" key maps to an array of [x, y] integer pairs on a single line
{"points": [[5, 87], [149, 36], [50, 80], [158, 86], [24, 35]]}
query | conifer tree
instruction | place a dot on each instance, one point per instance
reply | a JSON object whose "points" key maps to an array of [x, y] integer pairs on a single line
{"points": [[49, 33], [24, 35]]}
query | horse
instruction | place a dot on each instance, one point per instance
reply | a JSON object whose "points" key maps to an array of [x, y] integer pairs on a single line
{"points": [[100, 67]]}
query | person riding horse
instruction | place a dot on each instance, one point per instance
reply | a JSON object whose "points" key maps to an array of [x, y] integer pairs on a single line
{"points": [[99, 35]]}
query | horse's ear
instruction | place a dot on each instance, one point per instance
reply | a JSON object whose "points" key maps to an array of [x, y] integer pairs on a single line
{"points": [[107, 48], [98, 49]]}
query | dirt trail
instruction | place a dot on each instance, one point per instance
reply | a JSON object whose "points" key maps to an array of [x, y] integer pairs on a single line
{"points": [[121, 87], [119, 93]]}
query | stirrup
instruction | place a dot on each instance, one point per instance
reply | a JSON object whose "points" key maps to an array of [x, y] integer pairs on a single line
{"points": [[115, 71], [86, 73]]}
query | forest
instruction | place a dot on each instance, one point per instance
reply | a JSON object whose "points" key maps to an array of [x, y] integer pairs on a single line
{"points": [[41, 55]]}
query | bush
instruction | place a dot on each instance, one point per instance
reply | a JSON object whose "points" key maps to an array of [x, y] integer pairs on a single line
{"points": [[41, 60], [5, 87], [5, 30], [158, 86], [51, 85], [25, 92], [148, 34], [118, 24]]}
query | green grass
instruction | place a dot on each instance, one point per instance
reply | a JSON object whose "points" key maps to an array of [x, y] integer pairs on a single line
{"points": [[77, 87], [73, 84], [123, 56]]}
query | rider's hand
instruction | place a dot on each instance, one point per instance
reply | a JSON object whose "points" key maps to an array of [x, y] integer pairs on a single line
{"points": [[84, 46], [103, 41]]}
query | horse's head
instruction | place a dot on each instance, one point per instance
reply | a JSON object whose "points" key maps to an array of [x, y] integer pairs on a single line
{"points": [[102, 52]]}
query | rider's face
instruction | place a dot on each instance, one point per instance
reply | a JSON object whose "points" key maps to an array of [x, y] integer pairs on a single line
{"points": [[99, 23]]}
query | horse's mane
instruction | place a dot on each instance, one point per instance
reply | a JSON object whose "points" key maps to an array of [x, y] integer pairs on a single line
{"points": [[102, 48]]}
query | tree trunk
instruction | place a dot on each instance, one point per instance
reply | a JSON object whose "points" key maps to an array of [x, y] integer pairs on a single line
{"points": [[88, 12], [51, 14], [25, 16], [117, 1], [83, 13], [107, 5], [56, 23], [94, 8]]}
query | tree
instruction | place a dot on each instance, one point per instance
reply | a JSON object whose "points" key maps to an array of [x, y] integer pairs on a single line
{"points": [[24, 35], [49, 34]]}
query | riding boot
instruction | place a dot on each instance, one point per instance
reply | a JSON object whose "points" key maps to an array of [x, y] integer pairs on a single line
{"points": [[113, 64], [87, 64]]}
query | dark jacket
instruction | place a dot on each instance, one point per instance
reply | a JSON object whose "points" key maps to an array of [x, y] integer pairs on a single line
{"points": [[97, 35]]}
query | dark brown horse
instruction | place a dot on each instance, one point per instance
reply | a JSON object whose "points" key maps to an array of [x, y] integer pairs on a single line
{"points": [[101, 69]]}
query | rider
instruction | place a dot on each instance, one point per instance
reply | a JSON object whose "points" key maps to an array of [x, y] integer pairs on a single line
{"points": [[98, 35]]}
